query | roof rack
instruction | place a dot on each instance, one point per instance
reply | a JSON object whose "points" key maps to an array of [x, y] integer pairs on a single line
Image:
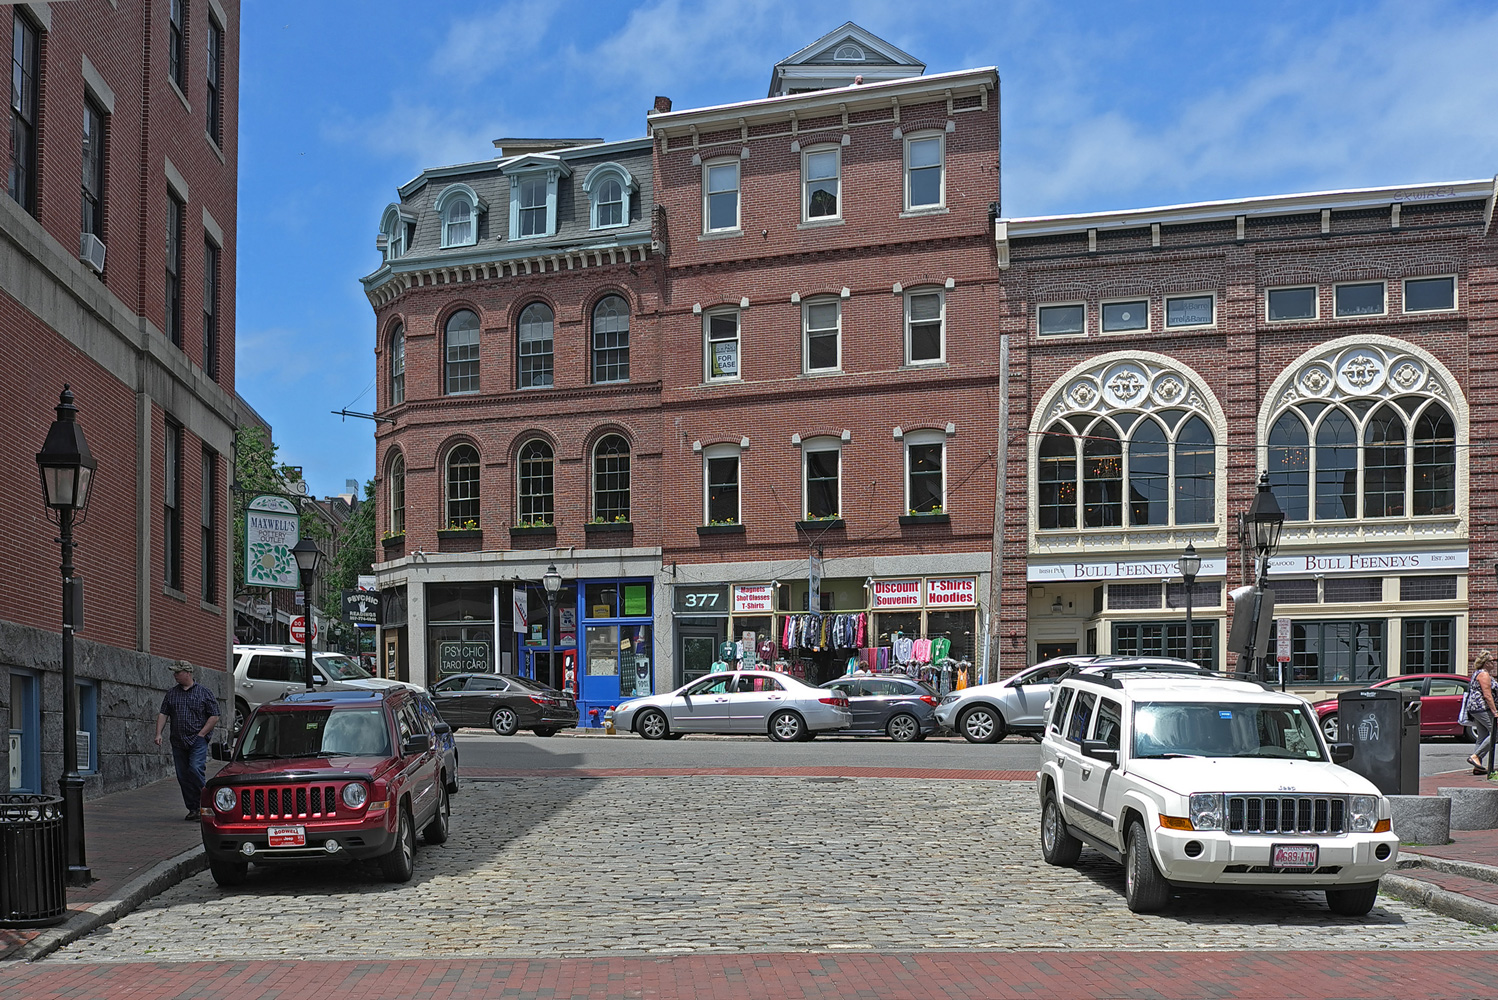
{"points": [[1106, 675]]}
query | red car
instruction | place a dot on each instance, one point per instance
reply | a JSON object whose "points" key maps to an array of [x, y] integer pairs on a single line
{"points": [[1440, 702], [329, 776]]}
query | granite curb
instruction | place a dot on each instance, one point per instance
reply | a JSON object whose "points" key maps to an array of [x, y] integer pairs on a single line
{"points": [[1436, 899], [157, 879]]}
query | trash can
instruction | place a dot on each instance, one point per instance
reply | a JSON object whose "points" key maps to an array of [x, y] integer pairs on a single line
{"points": [[33, 870], [1383, 725]]}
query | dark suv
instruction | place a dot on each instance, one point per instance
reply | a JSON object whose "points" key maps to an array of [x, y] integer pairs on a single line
{"points": [[336, 776]]}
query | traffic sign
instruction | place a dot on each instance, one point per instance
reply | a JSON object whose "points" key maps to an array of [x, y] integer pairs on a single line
{"points": [[1282, 637], [299, 627]]}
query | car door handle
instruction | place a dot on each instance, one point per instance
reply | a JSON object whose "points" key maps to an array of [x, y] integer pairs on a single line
{"points": [[1086, 772]]}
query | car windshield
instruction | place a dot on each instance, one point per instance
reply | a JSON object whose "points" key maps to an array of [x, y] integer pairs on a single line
{"points": [[526, 682], [342, 668], [318, 732], [1230, 729]]}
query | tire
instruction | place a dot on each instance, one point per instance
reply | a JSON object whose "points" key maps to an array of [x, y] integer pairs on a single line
{"points": [[981, 724], [1354, 901], [544, 732], [1329, 727], [652, 725], [400, 863], [228, 873], [903, 728], [437, 829], [786, 727], [241, 713], [674, 736], [1145, 889], [504, 721], [1057, 845]]}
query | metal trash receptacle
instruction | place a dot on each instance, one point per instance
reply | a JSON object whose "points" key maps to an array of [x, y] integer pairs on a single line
{"points": [[33, 869], [1383, 725]]}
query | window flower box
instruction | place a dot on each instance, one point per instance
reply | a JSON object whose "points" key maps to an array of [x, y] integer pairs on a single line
{"points": [[394, 541], [455, 534], [925, 519], [821, 523], [533, 530], [603, 527], [720, 529]]}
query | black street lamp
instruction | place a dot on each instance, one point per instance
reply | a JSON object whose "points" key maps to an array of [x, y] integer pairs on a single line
{"points": [[67, 470], [307, 555], [1265, 521], [1189, 564], [552, 583]]}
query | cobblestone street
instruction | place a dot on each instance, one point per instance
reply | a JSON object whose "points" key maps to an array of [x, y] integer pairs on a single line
{"points": [[562, 866]]}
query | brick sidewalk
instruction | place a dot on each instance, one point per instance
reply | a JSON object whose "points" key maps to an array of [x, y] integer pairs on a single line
{"points": [[1059, 975]]}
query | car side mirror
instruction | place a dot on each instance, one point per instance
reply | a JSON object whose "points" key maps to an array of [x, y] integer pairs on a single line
{"points": [[218, 750], [442, 728], [1342, 752], [420, 743], [1100, 750], [319, 679]]}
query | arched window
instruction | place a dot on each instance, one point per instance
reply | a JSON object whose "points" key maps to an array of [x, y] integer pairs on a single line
{"points": [[1336, 467], [610, 188], [396, 227], [1384, 464], [458, 206], [397, 481], [536, 484], [1290, 466], [1149, 474], [1435, 463], [1195, 474], [463, 487], [462, 347], [535, 346], [1102, 477], [1058, 478], [398, 366], [611, 479], [611, 340], [609, 204]]}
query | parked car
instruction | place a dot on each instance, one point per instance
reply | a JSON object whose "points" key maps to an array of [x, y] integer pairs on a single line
{"points": [[736, 701], [503, 702], [902, 708], [986, 713], [447, 743], [265, 673], [1192, 779], [1440, 703], [328, 776]]}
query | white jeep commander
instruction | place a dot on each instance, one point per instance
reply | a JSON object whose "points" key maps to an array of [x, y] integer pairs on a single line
{"points": [[1191, 779]]}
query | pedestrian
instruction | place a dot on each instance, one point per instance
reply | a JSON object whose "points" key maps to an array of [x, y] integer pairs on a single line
{"points": [[193, 712], [1481, 710]]}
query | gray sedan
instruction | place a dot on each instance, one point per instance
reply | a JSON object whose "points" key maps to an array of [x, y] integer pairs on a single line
{"points": [[736, 701]]}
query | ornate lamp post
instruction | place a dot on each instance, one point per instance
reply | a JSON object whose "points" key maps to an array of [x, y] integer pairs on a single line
{"points": [[551, 582], [67, 470], [1189, 564], [1265, 521], [307, 556]]}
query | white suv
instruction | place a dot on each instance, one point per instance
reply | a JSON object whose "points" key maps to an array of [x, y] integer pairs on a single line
{"points": [[1190, 779], [265, 673]]}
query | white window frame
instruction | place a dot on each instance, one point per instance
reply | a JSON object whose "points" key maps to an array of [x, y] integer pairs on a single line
{"points": [[1132, 331], [707, 345], [708, 166], [398, 364], [806, 308], [550, 174], [941, 321], [396, 495], [1404, 296], [1042, 307], [1337, 314], [721, 451], [394, 226], [1165, 315], [921, 438], [820, 446], [593, 186], [807, 179], [941, 141], [452, 196], [1315, 299]]}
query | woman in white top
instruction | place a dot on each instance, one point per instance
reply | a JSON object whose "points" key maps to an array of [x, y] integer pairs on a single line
{"points": [[1480, 708]]}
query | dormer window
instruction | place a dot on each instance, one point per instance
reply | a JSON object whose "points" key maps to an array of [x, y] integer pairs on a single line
{"points": [[609, 187], [458, 207], [395, 231], [533, 195]]}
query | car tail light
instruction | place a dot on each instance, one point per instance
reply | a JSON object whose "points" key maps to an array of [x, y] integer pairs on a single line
{"points": [[930, 700], [837, 702], [538, 699]]}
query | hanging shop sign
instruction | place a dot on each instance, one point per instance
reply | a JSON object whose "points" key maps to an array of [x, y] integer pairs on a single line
{"points": [[688, 600], [952, 592], [361, 607], [519, 609], [814, 583], [889, 594], [271, 528], [753, 599]]}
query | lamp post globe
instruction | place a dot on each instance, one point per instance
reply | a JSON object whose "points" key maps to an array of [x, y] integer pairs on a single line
{"points": [[1265, 521], [67, 471], [551, 582], [308, 556]]}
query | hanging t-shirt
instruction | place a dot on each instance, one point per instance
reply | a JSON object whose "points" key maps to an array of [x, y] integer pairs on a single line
{"points": [[941, 648]]}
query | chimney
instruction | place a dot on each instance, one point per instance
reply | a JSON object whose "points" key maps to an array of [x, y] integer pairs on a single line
{"points": [[662, 105]]}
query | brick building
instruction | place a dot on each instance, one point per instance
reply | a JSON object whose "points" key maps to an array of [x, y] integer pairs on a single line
{"points": [[835, 342], [118, 279]]}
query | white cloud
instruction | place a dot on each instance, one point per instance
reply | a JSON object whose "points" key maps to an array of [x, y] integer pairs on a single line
{"points": [[503, 41]]}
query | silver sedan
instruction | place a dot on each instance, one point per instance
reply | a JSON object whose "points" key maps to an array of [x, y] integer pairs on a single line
{"points": [[737, 701]]}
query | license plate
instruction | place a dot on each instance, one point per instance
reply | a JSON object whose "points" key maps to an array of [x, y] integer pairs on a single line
{"points": [[1293, 856], [295, 836]]}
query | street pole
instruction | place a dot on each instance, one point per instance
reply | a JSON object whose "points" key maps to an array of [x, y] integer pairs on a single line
{"points": [[1189, 564], [71, 782], [307, 626]]}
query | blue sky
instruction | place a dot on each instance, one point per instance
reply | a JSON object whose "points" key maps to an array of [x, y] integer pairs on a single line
{"points": [[1105, 105]]}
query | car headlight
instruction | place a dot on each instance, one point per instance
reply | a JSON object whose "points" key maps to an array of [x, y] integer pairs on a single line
{"points": [[949, 698], [1364, 809], [354, 794], [1206, 811], [224, 799]]}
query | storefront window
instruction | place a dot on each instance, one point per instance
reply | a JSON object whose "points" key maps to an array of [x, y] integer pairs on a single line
{"points": [[1429, 645], [1338, 652], [954, 626], [461, 649], [1167, 639]]}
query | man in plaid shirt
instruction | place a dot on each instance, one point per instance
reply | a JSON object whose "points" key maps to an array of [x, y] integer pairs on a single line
{"points": [[193, 712]]}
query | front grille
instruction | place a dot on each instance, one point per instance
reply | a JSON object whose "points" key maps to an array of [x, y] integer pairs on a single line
{"points": [[275, 802], [1325, 815], [1271, 870]]}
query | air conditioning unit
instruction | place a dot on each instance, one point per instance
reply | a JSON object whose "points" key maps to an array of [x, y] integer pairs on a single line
{"points": [[85, 742], [91, 251]]}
